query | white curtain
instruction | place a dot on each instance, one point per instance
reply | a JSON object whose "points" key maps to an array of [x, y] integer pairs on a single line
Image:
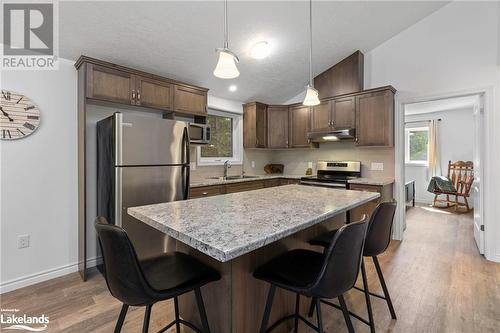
{"points": [[434, 152]]}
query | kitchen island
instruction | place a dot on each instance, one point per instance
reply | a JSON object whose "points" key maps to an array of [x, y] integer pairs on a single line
{"points": [[235, 233]]}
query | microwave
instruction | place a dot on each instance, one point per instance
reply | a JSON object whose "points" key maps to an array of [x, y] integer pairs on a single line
{"points": [[199, 134]]}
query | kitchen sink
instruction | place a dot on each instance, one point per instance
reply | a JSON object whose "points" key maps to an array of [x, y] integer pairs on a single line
{"points": [[234, 177]]}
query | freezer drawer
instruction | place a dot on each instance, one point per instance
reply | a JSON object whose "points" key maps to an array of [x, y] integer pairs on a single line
{"points": [[138, 186]]}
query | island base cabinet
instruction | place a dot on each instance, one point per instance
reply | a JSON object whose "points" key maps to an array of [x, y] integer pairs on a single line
{"points": [[235, 304]]}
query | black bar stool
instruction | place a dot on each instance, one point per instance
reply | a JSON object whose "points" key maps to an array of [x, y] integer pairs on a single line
{"points": [[145, 282], [377, 240], [316, 275]]}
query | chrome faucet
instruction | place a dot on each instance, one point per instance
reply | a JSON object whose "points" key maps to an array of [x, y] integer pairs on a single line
{"points": [[226, 166]]}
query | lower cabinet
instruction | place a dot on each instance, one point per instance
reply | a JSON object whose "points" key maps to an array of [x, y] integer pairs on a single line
{"points": [[209, 191], [386, 194]]}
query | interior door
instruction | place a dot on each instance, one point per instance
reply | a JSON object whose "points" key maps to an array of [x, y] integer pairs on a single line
{"points": [[477, 195], [148, 185]]}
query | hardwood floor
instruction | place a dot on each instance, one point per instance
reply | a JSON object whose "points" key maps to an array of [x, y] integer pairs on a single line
{"points": [[437, 280]]}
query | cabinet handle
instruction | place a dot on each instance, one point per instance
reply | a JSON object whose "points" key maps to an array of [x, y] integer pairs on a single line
{"points": [[204, 193], [133, 94], [138, 95]]}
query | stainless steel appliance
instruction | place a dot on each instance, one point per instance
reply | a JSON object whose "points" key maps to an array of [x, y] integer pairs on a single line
{"points": [[332, 134], [334, 173], [199, 134], [140, 161]]}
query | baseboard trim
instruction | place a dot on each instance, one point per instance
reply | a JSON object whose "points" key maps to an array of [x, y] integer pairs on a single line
{"points": [[49, 274]]}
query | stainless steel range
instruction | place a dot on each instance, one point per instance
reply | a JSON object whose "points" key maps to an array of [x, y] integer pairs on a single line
{"points": [[334, 173]]}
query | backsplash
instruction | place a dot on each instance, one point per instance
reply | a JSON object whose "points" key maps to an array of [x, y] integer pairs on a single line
{"points": [[296, 160]]}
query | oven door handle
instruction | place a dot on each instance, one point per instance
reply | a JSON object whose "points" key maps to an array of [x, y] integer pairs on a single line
{"points": [[338, 185]]}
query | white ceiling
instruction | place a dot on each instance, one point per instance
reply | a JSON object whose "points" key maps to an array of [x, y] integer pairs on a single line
{"points": [[440, 105], [177, 38]]}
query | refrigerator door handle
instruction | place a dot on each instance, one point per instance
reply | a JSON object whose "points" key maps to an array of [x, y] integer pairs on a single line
{"points": [[186, 158]]}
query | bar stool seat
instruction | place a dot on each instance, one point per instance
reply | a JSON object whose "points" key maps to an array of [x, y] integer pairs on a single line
{"points": [[295, 270], [176, 272]]}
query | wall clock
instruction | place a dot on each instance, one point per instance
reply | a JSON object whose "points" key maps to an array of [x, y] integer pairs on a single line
{"points": [[19, 116]]}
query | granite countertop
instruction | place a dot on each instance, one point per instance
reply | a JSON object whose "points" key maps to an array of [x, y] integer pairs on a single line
{"points": [[210, 181], [230, 225], [372, 181]]}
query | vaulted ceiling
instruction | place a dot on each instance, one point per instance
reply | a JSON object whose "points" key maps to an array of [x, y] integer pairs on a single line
{"points": [[177, 39]]}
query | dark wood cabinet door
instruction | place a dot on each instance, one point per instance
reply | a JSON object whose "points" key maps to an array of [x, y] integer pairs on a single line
{"points": [[254, 125], [321, 115], [244, 186], [344, 112], [277, 127], [300, 124], [110, 85], [154, 94], [375, 119], [190, 100]]}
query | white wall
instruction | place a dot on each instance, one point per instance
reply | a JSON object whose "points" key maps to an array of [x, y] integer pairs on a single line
{"points": [[39, 181], [455, 141], [454, 49]]}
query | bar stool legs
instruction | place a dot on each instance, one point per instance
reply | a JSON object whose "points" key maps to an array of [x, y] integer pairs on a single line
{"points": [[345, 312], [147, 316], [267, 311], [384, 287], [367, 297], [121, 318], [177, 322], [318, 314], [201, 308], [296, 324]]}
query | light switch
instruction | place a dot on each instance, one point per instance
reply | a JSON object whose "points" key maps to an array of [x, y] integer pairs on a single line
{"points": [[310, 164], [253, 164], [193, 166], [377, 166]]}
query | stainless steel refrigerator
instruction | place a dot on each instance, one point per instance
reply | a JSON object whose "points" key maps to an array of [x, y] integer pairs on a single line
{"points": [[140, 160]]}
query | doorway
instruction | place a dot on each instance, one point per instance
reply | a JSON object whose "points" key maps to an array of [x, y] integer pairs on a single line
{"points": [[430, 133]]}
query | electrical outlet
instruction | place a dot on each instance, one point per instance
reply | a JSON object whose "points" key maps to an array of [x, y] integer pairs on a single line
{"points": [[253, 164], [377, 166], [23, 241], [310, 164]]}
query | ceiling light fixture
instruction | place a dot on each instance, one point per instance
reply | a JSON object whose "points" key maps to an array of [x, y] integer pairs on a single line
{"points": [[233, 88], [226, 66], [312, 95], [260, 50]]}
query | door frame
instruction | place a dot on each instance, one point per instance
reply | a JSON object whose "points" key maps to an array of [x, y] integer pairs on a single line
{"points": [[489, 155]]}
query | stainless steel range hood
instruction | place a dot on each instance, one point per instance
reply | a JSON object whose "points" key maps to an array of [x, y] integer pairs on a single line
{"points": [[332, 134]]}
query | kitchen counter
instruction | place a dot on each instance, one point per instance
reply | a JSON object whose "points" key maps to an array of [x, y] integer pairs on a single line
{"points": [[209, 181], [372, 181], [227, 226], [235, 233]]}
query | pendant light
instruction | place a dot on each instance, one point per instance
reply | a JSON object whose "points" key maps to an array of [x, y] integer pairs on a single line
{"points": [[226, 66], [312, 95]]}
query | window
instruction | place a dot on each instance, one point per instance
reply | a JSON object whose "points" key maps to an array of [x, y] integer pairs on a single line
{"points": [[417, 145], [226, 139]]}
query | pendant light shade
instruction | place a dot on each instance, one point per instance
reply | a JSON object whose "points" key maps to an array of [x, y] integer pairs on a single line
{"points": [[226, 66], [312, 95]]}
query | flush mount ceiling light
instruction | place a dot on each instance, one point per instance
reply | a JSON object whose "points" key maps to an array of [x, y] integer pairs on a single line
{"points": [[226, 66], [233, 88], [260, 50], [312, 95]]}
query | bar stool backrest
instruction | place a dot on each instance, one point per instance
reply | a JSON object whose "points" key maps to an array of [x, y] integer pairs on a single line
{"points": [[342, 261], [123, 274], [379, 231]]}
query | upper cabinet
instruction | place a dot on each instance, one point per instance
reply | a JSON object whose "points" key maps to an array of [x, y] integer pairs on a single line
{"points": [[255, 125], [300, 125], [190, 100], [277, 129], [118, 84], [338, 113], [345, 77], [153, 93], [375, 118]]}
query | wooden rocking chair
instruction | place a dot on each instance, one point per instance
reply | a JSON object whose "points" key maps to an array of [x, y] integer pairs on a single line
{"points": [[461, 175]]}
